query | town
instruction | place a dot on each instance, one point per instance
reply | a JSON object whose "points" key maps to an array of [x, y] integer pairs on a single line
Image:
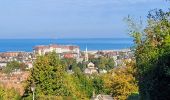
{"points": [[26, 60], [64, 51]]}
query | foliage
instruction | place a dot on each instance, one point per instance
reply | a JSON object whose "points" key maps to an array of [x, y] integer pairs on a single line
{"points": [[14, 65], [22, 66], [133, 96], [98, 84], [82, 66], [103, 62], [9, 94], [69, 62], [48, 74], [152, 52], [52, 81], [11, 66], [83, 82], [121, 82]]}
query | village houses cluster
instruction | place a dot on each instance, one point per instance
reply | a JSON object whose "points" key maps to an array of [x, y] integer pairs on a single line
{"points": [[64, 51]]}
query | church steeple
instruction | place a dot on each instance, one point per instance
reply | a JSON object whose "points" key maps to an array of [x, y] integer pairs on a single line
{"points": [[86, 55]]}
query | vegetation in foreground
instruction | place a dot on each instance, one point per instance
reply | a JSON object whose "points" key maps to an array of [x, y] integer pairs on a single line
{"points": [[52, 81], [152, 52]]}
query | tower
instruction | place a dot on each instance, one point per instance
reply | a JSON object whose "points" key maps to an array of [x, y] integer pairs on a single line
{"points": [[86, 56]]}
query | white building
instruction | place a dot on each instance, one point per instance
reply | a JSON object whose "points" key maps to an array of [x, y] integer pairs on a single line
{"points": [[29, 65], [43, 49], [91, 69], [102, 97], [3, 64]]}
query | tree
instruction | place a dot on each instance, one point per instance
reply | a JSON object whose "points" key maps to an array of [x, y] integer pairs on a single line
{"points": [[98, 84], [110, 64], [53, 83], [84, 83], [103, 63], [49, 76], [9, 94], [14, 65], [22, 66], [82, 66], [11, 66], [121, 82], [69, 63], [152, 52]]}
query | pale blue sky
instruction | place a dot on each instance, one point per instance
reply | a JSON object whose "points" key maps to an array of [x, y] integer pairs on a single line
{"points": [[70, 18]]}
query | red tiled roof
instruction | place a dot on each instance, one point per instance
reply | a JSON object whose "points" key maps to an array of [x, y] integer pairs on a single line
{"points": [[40, 47]]}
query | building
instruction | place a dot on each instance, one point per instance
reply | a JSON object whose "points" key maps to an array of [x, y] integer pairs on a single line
{"points": [[60, 49], [91, 69], [3, 64], [9, 54], [102, 97], [69, 55], [29, 65], [15, 55]]}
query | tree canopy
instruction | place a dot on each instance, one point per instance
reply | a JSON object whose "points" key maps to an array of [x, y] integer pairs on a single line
{"points": [[152, 52], [9, 94], [53, 82], [14, 65], [121, 82]]}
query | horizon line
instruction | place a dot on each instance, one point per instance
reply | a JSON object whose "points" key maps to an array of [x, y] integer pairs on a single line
{"points": [[67, 38]]}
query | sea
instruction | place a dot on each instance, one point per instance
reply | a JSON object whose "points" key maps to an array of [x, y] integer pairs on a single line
{"points": [[27, 45]]}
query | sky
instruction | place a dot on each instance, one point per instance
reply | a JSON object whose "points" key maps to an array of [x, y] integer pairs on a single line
{"points": [[71, 18]]}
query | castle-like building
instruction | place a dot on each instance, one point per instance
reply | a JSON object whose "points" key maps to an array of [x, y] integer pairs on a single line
{"points": [[60, 49]]}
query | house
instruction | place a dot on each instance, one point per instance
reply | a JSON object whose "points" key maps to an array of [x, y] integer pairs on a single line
{"points": [[9, 54], [29, 64], [102, 97], [3, 64], [91, 69], [15, 56]]}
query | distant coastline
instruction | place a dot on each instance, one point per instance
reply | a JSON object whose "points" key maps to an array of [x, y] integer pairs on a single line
{"points": [[93, 44]]}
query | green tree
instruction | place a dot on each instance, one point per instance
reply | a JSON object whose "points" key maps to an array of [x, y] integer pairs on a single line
{"points": [[9, 94], [11, 66], [84, 83], [98, 84], [70, 63], [53, 83], [103, 63], [110, 64], [14, 65], [152, 52], [82, 66], [49, 76]]}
